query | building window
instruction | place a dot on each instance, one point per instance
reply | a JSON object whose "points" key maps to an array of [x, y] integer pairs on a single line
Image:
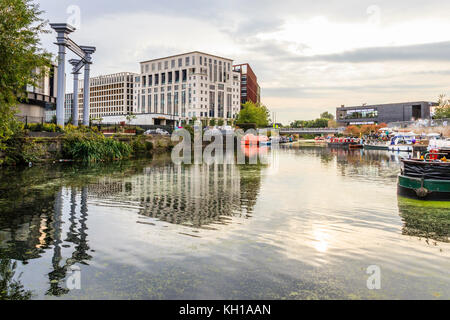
{"points": [[175, 100], [183, 103], [180, 62], [169, 103]]}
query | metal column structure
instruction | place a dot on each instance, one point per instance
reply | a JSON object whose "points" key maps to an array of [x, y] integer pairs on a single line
{"points": [[63, 30], [63, 41], [77, 65], [86, 90]]}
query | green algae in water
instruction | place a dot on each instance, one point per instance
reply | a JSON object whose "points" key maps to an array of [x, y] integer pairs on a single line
{"points": [[427, 219]]}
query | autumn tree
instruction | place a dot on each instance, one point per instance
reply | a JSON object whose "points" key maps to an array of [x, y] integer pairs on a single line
{"points": [[22, 60], [443, 110]]}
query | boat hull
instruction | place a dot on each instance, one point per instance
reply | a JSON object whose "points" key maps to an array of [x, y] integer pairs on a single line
{"points": [[344, 145], [401, 148], [375, 147], [424, 189]]}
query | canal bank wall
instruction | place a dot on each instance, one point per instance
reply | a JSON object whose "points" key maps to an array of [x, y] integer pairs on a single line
{"points": [[45, 147]]}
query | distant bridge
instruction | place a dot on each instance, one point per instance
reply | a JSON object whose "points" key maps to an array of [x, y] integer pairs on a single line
{"points": [[311, 130]]}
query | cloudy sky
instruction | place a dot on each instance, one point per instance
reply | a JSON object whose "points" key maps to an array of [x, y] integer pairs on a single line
{"points": [[309, 56]]}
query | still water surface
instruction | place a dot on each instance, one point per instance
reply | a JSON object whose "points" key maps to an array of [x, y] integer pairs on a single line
{"points": [[305, 227]]}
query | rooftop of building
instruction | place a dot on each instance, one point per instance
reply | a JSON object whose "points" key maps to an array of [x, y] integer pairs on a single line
{"points": [[386, 104], [118, 74], [187, 53]]}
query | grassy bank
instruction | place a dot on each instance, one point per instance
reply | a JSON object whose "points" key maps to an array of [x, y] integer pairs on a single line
{"points": [[76, 144]]}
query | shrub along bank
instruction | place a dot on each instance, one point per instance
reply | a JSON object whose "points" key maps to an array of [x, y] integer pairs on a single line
{"points": [[77, 144]]}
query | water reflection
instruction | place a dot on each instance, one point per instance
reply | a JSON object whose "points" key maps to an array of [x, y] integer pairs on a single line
{"points": [[429, 220], [52, 217], [10, 286], [152, 229], [194, 196]]}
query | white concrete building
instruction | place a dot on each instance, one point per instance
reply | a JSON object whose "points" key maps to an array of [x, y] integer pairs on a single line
{"points": [[39, 98], [110, 96], [187, 86], [68, 102]]}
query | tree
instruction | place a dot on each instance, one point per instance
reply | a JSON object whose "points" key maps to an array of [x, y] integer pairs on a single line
{"points": [[254, 113], [130, 117], [327, 115], [22, 61], [443, 110]]}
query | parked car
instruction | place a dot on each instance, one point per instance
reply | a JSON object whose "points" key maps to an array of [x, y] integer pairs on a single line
{"points": [[158, 131]]}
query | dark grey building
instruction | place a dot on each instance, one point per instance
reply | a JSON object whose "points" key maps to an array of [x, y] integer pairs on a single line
{"points": [[384, 113]]}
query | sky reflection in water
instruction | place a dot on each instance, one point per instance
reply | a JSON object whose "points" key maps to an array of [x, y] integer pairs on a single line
{"points": [[308, 228]]}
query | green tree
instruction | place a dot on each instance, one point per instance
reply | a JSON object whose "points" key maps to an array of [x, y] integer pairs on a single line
{"points": [[327, 115], [443, 110], [254, 113], [130, 117], [22, 60]]}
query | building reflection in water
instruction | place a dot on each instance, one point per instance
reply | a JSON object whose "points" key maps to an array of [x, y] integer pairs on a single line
{"points": [[52, 222], [194, 195], [30, 229]]}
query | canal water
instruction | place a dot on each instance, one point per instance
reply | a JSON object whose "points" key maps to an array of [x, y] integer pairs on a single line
{"points": [[314, 223]]}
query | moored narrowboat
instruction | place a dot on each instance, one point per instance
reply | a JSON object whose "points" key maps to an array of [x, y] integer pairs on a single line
{"points": [[425, 179], [345, 143]]}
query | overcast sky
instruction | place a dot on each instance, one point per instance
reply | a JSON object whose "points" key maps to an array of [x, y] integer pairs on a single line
{"points": [[309, 56]]}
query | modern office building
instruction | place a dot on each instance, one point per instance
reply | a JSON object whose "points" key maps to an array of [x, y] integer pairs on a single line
{"points": [[384, 113], [110, 95], [68, 102], [39, 98], [187, 86], [250, 89]]}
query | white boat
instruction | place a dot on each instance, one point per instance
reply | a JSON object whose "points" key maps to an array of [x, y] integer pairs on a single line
{"points": [[376, 145], [402, 143], [438, 144]]}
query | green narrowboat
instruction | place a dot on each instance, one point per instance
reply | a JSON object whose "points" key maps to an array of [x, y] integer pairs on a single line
{"points": [[425, 179]]}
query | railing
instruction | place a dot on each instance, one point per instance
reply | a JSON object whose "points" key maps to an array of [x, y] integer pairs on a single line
{"points": [[30, 119], [117, 127], [420, 123], [318, 130]]}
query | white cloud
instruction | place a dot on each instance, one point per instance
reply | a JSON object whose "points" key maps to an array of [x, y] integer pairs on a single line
{"points": [[272, 38]]}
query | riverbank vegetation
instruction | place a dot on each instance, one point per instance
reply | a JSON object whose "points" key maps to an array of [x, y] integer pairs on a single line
{"points": [[81, 144], [91, 146], [326, 120]]}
